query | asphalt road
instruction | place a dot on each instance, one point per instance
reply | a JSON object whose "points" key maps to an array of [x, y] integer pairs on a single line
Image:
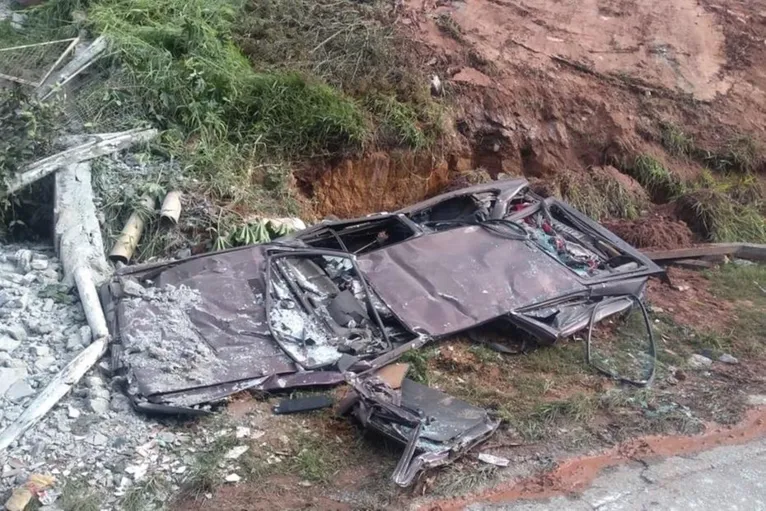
{"points": [[724, 478]]}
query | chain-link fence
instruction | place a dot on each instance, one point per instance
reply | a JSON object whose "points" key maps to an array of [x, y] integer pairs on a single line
{"points": [[32, 64], [97, 95]]}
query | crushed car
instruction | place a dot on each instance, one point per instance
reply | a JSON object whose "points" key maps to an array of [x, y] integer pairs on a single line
{"points": [[338, 301]]}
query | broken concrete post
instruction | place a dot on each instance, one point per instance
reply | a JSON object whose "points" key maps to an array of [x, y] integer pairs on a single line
{"points": [[131, 234], [77, 233], [99, 145], [171, 207]]}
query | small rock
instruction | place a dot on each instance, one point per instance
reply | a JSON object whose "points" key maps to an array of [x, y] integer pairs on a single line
{"points": [[41, 351], [236, 452], [119, 403], [183, 253], [671, 380], [697, 361], [8, 344], [73, 344], [19, 391], [17, 303], [97, 439], [48, 305], [39, 264], [232, 478], [166, 437], [728, 359], [44, 363], [99, 405], [756, 399], [242, 432], [137, 471], [29, 278], [15, 331], [85, 335], [9, 376], [23, 259], [72, 412], [99, 393], [132, 288]]}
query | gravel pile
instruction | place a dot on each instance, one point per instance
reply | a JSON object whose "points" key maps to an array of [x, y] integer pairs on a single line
{"points": [[92, 435]]}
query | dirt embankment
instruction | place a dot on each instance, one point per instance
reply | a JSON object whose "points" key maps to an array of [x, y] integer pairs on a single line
{"points": [[549, 88]]}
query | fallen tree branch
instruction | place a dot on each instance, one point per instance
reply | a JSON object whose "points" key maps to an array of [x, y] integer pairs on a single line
{"points": [[100, 145], [56, 389]]}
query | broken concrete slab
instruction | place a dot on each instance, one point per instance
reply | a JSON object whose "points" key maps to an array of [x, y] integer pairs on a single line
{"points": [[9, 376]]}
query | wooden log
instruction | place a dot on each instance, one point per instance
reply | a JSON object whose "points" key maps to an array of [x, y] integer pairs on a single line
{"points": [[99, 146], [61, 384], [126, 244]]}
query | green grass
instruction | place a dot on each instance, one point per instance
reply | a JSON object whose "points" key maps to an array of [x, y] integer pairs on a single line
{"points": [[463, 477], [742, 284], [601, 197], [78, 496], [579, 408], [148, 494], [317, 458], [660, 182], [204, 474], [418, 360], [450, 27], [675, 140], [740, 153], [565, 358], [717, 217]]}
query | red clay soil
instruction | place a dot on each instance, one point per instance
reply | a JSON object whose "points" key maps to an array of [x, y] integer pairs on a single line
{"points": [[654, 231], [541, 87], [575, 474], [689, 301]]}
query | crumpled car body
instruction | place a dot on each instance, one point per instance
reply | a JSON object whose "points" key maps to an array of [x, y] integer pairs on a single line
{"points": [[338, 301], [349, 295]]}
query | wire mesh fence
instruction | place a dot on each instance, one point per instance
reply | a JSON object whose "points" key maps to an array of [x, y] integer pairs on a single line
{"points": [[32, 64], [96, 94]]}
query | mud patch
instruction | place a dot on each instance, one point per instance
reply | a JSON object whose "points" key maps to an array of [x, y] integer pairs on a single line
{"points": [[575, 474], [689, 301], [374, 182], [656, 231]]}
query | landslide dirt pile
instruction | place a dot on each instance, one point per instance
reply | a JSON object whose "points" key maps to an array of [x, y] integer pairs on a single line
{"points": [[661, 93]]}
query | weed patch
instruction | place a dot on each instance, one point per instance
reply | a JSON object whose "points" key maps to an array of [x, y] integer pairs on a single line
{"points": [[744, 284], [715, 216], [27, 131], [578, 408], [78, 496], [675, 140], [740, 153], [205, 476], [661, 184], [449, 26]]}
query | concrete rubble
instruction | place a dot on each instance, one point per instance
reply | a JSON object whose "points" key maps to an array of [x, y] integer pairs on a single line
{"points": [[92, 434]]}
